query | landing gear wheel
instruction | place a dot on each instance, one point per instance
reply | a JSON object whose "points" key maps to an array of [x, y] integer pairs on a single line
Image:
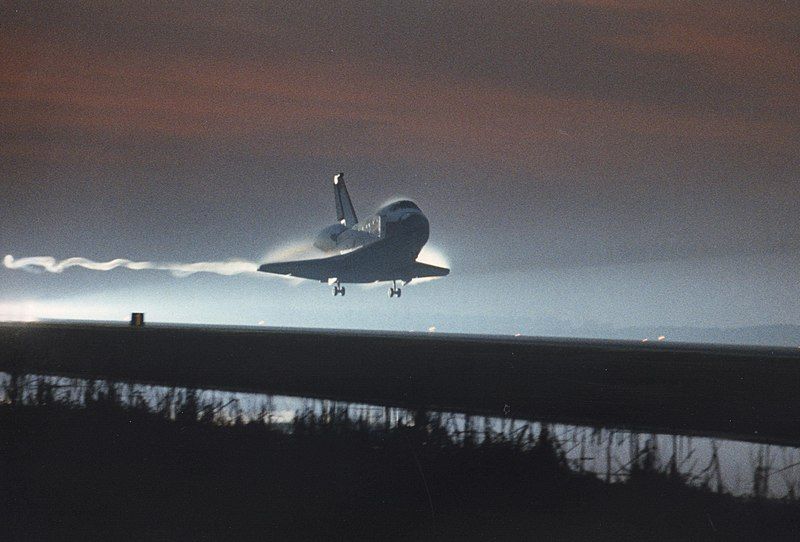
{"points": [[338, 290], [395, 291]]}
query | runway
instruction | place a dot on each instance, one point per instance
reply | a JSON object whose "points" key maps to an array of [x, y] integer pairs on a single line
{"points": [[747, 393]]}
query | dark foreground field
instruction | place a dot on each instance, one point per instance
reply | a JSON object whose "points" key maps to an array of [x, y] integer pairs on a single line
{"points": [[89, 464], [749, 393], [99, 468]]}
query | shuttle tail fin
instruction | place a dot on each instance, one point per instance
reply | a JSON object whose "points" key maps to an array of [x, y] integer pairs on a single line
{"points": [[345, 213]]}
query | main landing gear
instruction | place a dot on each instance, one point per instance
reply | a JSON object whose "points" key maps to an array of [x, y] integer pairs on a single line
{"points": [[337, 289], [395, 291]]}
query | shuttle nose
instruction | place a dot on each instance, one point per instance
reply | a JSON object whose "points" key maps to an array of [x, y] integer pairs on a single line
{"points": [[414, 222], [410, 227]]}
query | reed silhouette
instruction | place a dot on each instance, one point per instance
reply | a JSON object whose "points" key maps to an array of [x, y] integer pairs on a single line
{"points": [[101, 460]]}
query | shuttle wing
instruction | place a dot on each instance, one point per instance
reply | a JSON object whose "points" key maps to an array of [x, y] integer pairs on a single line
{"points": [[355, 266], [369, 263], [320, 269], [427, 270]]}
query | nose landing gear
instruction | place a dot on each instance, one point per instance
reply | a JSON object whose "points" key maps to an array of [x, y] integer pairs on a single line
{"points": [[337, 290], [395, 291]]}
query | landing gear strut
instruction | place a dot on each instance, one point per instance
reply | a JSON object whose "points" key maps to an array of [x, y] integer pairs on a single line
{"points": [[394, 290], [337, 289]]}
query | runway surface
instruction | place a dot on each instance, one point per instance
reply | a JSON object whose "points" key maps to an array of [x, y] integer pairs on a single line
{"points": [[748, 393]]}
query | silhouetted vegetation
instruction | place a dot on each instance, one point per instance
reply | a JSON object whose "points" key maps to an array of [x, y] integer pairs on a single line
{"points": [[101, 460]]}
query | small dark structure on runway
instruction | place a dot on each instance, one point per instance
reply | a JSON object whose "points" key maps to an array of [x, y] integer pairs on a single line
{"points": [[137, 319]]}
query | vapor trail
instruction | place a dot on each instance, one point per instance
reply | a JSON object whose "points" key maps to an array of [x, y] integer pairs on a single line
{"points": [[51, 265]]}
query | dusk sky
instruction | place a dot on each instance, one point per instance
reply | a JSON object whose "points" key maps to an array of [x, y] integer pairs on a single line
{"points": [[582, 163]]}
